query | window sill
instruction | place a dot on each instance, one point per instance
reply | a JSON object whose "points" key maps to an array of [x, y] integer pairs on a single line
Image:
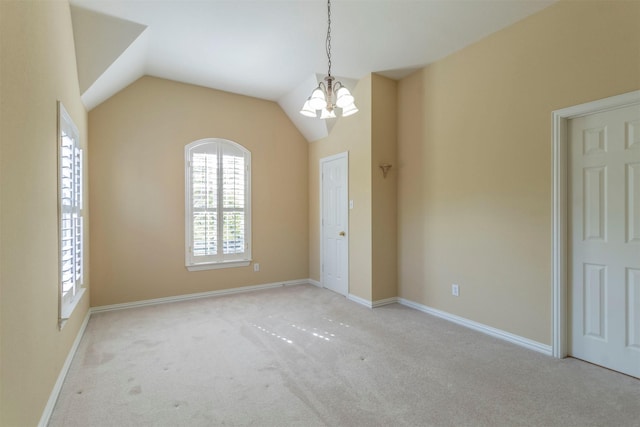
{"points": [[67, 308], [218, 265]]}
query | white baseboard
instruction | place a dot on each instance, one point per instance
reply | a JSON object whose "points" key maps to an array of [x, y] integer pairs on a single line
{"points": [[372, 304], [497, 333], [386, 301], [198, 295], [359, 300], [314, 283], [53, 397]]}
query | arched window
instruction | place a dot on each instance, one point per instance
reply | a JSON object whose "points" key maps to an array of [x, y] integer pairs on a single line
{"points": [[218, 204]]}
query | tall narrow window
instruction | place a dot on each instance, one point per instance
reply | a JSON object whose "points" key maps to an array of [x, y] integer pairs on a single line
{"points": [[218, 211], [70, 214]]}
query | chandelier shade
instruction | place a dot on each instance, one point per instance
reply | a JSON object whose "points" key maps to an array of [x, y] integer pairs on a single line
{"points": [[317, 100], [349, 110], [327, 97], [307, 110], [344, 98]]}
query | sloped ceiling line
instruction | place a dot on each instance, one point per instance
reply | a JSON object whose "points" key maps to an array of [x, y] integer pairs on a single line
{"points": [[271, 49], [100, 40]]}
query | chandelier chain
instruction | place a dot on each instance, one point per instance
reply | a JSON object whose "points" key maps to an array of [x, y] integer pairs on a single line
{"points": [[328, 42], [330, 95]]}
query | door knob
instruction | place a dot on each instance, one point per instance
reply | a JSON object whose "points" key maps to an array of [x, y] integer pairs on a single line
{"points": [[342, 233]]}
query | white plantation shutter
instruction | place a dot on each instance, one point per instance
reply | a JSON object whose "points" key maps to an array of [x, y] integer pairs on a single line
{"points": [[217, 203], [70, 213], [233, 200], [204, 173]]}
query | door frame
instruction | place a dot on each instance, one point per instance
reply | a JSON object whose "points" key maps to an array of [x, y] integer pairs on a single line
{"points": [[560, 194], [323, 160]]}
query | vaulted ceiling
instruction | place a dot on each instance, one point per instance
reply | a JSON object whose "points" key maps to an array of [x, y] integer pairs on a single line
{"points": [[273, 49]]}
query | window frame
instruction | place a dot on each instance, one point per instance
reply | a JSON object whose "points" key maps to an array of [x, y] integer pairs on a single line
{"points": [[220, 260], [72, 191]]}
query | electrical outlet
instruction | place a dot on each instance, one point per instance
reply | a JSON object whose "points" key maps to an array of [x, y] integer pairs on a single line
{"points": [[455, 290], [256, 267]]}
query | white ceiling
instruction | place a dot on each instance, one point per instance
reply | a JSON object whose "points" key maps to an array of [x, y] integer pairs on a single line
{"points": [[273, 49]]}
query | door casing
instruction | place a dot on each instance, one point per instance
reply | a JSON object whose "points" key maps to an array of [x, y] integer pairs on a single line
{"points": [[560, 194], [322, 161]]}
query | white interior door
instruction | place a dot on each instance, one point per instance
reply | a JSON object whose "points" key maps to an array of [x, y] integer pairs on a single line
{"points": [[604, 272], [334, 246]]}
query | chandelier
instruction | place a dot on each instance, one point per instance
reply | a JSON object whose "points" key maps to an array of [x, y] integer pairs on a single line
{"points": [[330, 95]]}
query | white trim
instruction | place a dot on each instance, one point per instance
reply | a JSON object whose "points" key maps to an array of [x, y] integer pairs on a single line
{"points": [[55, 392], [67, 309], [217, 265], [559, 237], [335, 157], [220, 260], [382, 302], [314, 283], [497, 333], [198, 295], [359, 300], [372, 304], [559, 250], [344, 154]]}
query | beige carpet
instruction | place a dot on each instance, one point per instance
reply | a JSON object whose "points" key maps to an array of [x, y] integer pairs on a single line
{"points": [[303, 356]]}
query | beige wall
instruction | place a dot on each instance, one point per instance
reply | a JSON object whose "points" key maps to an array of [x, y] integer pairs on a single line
{"points": [[370, 138], [38, 68], [352, 134], [473, 174], [475, 159], [137, 190], [384, 132]]}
